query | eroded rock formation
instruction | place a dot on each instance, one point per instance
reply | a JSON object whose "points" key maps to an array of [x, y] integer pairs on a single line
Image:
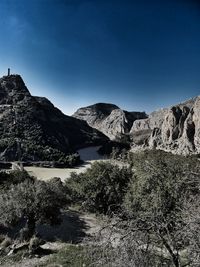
{"points": [[31, 128], [176, 129], [109, 119]]}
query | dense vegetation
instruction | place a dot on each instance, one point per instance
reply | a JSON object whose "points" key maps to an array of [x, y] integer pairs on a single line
{"points": [[150, 200], [100, 189], [28, 200], [158, 210]]}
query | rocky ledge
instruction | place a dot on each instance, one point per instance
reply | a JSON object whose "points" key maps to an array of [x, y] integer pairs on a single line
{"points": [[109, 119], [32, 129], [175, 129]]}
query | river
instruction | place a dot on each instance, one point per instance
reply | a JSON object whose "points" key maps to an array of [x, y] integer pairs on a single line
{"points": [[88, 155]]}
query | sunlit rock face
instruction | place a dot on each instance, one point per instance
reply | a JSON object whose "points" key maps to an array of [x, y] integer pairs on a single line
{"points": [[31, 128], [175, 129], [108, 118]]}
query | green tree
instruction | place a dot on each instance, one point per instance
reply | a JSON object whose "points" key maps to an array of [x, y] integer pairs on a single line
{"points": [[35, 201], [162, 182], [101, 188], [159, 224]]}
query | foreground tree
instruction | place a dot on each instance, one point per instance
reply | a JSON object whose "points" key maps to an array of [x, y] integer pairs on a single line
{"points": [[155, 200], [159, 223], [191, 231], [101, 188], [34, 201]]}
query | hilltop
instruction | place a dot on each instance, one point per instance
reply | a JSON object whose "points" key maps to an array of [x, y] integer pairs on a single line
{"points": [[174, 129], [32, 129], [109, 118]]}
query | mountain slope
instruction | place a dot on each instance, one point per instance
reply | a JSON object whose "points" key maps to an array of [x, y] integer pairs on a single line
{"points": [[108, 118], [31, 128], [175, 129]]}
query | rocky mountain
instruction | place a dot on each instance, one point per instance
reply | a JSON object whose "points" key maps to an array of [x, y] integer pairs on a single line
{"points": [[31, 128], [109, 118], [175, 129]]}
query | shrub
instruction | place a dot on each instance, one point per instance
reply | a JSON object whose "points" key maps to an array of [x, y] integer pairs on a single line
{"points": [[101, 188], [154, 201], [15, 177], [35, 201], [161, 182]]}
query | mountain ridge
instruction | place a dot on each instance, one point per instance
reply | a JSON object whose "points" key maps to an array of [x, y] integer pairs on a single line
{"points": [[108, 118], [174, 129], [32, 128], [43, 131]]}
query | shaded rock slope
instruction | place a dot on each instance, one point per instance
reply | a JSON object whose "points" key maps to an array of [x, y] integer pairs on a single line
{"points": [[109, 118], [31, 128], [175, 129]]}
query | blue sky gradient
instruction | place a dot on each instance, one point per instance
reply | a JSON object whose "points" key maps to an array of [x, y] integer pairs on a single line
{"points": [[138, 54]]}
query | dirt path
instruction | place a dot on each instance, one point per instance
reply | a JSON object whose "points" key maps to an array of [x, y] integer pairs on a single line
{"points": [[74, 228]]}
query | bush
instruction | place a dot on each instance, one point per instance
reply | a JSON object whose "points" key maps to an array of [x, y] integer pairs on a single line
{"points": [[13, 178], [101, 188], [68, 161], [34, 201], [154, 202], [161, 182], [117, 147]]}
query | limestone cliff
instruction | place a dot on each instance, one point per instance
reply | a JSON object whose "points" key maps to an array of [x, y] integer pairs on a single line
{"points": [[31, 128], [109, 118], [175, 129]]}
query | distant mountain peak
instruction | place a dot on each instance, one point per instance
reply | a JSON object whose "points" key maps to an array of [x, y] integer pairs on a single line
{"points": [[31, 128], [175, 129], [13, 90], [102, 105], [103, 108], [108, 118]]}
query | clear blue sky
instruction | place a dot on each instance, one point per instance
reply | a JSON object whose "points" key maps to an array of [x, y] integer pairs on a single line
{"points": [[138, 54]]}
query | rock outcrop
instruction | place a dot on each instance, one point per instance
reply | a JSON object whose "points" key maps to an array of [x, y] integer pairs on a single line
{"points": [[31, 128], [109, 119], [175, 129]]}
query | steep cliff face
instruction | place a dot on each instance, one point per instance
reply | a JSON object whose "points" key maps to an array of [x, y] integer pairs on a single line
{"points": [[175, 129], [108, 118], [13, 91], [31, 128]]}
